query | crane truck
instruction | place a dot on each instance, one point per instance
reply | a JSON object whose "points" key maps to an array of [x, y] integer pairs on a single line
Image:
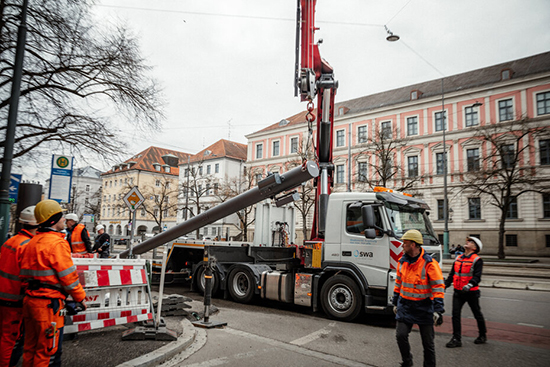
{"points": [[349, 264]]}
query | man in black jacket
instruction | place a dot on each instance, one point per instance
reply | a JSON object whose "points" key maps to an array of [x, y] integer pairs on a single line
{"points": [[465, 275], [102, 242]]}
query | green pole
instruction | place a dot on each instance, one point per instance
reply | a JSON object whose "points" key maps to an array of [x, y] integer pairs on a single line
{"points": [[12, 122]]}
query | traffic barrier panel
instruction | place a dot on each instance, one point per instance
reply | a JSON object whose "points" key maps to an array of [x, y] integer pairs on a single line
{"points": [[116, 293]]}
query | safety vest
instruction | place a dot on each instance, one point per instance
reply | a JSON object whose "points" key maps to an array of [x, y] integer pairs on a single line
{"points": [[47, 266], [10, 284], [419, 280], [77, 244], [464, 271]]}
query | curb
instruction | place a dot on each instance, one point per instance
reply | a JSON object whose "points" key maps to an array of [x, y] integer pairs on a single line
{"points": [[515, 284], [166, 352]]}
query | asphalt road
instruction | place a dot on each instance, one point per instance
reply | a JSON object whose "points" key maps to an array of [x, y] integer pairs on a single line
{"points": [[274, 334]]}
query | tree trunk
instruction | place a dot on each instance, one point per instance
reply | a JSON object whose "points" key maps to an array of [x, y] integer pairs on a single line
{"points": [[501, 231]]}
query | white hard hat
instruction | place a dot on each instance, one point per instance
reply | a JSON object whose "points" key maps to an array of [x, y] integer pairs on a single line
{"points": [[71, 216], [99, 227], [477, 242], [27, 216]]}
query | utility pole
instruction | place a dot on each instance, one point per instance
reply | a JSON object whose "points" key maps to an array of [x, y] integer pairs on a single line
{"points": [[12, 122]]}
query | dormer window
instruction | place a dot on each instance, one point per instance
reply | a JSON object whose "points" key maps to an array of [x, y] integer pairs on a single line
{"points": [[506, 74], [415, 94], [157, 166], [167, 168], [284, 122]]}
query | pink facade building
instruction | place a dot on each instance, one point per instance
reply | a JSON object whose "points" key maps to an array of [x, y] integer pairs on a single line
{"points": [[498, 116]]}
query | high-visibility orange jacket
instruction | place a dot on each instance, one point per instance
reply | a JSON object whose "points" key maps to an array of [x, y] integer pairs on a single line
{"points": [[79, 240], [10, 284], [47, 266], [419, 289], [466, 269]]}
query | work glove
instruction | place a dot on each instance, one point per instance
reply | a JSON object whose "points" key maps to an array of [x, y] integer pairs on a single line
{"points": [[395, 310], [467, 287], [438, 318]]}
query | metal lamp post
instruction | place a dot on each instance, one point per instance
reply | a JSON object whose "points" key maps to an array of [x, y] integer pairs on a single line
{"points": [[446, 254]]}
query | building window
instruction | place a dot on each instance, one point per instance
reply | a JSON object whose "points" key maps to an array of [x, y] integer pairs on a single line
{"points": [[506, 110], [361, 134], [385, 130], [362, 172], [156, 213], [186, 172], [412, 164], [440, 121], [275, 148], [474, 208], [258, 177], [387, 165], [165, 213], [508, 153], [340, 138], [208, 169], [142, 212], [294, 145], [167, 169], [440, 162], [472, 159], [546, 205], [471, 116], [547, 240], [217, 168], [259, 151], [412, 125], [340, 174], [200, 170], [544, 151], [157, 168], [511, 240], [512, 212], [440, 209], [543, 103], [87, 188], [157, 183]]}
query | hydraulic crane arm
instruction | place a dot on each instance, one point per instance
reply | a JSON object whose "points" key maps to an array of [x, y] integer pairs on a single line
{"points": [[316, 78]]}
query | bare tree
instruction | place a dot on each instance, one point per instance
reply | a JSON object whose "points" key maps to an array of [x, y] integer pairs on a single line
{"points": [[234, 187], [378, 152], [161, 198], [502, 174], [196, 186], [93, 206], [76, 75]]}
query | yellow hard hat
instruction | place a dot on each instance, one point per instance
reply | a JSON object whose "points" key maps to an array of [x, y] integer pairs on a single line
{"points": [[45, 209], [413, 235]]}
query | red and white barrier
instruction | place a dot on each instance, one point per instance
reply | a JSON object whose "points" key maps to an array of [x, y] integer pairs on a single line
{"points": [[116, 293]]}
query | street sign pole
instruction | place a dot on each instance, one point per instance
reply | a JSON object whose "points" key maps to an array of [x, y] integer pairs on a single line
{"points": [[132, 232]]}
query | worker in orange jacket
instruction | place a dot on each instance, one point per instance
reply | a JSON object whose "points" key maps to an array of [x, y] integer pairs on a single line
{"points": [[418, 297], [47, 267], [77, 235], [11, 291]]}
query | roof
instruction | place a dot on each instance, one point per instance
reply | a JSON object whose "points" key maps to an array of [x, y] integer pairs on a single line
{"points": [[145, 161], [476, 78], [221, 149], [87, 171]]}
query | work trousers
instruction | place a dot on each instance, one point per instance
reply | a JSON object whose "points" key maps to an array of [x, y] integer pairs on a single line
{"points": [[43, 331], [402, 332], [459, 299], [10, 331]]}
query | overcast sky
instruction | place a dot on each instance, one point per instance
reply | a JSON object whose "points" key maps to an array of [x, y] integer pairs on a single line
{"points": [[227, 66]]}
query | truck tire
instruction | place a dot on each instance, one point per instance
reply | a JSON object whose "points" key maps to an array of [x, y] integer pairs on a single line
{"points": [[241, 285], [200, 281], [341, 298]]}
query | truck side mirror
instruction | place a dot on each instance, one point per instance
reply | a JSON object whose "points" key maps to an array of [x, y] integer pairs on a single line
{"points": [[367, 213]]}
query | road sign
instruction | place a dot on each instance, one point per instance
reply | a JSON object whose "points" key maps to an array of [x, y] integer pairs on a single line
{"points": [[133, 199], [60, 178], [15, 180]]}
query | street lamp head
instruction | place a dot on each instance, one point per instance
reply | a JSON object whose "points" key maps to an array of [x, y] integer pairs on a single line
{"points": [[477, 104], [391, 37]]}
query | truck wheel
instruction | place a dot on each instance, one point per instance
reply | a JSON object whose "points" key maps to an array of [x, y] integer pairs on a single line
{"points": [[200, 281], [341, 298], [241, 285]]}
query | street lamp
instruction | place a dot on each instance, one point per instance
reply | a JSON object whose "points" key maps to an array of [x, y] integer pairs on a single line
{"points": [[391, 37]]}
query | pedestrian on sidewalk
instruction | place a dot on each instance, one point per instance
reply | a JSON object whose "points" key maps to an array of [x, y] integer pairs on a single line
{"points": [[11, 290], [465, 275], [418, 297]]}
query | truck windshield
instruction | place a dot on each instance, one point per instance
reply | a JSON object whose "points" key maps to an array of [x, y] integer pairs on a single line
{"points": [[404, 217]]}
